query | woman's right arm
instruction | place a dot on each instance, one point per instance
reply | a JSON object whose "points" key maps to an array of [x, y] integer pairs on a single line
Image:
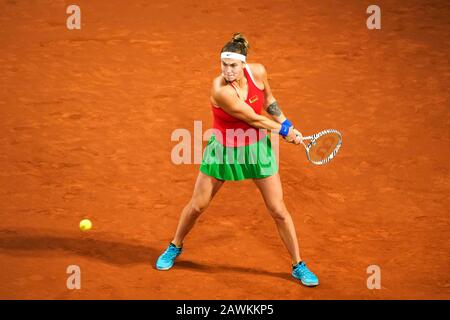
{"points": [[231, 104]]}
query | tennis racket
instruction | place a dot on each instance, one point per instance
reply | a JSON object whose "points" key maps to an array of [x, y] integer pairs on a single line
{"points": [[322, 146]]}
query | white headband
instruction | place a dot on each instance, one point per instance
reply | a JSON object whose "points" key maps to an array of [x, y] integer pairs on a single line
{"points": [[232, 55]]}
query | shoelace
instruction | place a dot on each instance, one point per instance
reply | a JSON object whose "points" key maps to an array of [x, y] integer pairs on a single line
{"points": [[304, 271], [170, 253]]}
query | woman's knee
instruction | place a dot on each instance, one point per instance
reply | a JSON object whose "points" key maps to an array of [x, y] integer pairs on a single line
{"points": [[278, 210], [198, 206]]}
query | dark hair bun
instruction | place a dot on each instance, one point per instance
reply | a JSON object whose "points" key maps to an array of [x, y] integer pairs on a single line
{"points": [[239, 38], [238, 44]]}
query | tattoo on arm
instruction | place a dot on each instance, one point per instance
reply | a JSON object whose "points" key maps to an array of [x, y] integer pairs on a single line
{"points": [[273, 109]]}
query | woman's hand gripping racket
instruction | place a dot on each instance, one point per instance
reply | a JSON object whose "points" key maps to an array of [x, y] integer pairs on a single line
{"points": [[322, 146]]}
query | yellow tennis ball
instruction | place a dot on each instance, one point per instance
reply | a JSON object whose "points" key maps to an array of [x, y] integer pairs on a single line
{"points": [[85, 224]]}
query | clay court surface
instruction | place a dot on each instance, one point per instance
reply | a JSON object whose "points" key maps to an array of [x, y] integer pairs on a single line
{"points": [[86, 118]]}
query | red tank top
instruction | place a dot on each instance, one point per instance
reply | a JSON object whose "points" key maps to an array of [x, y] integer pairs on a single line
{"points": [[242, 133]]}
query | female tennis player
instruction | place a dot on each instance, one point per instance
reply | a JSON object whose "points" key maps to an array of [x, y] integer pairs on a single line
{"points": [[240, 148]]}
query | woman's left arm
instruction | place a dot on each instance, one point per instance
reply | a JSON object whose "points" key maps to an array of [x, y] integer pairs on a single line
{"points": [[270, 103]]}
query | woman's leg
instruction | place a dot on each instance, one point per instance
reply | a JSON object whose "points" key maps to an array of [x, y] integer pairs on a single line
{"points": [[272, 192], [205, 189]]}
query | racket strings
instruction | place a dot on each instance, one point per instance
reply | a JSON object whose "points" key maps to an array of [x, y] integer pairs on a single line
{"points": [[323, 146]]}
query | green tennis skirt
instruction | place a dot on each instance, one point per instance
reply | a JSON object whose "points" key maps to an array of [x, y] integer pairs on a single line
{"points": [[253, 161]]}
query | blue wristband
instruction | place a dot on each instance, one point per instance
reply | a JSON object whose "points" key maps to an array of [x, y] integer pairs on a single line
{"points": [[287, 122], [285, 128]]}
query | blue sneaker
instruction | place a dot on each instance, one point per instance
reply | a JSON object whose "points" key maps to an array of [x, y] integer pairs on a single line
{"points": [[301, 272], [167, 259]]}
